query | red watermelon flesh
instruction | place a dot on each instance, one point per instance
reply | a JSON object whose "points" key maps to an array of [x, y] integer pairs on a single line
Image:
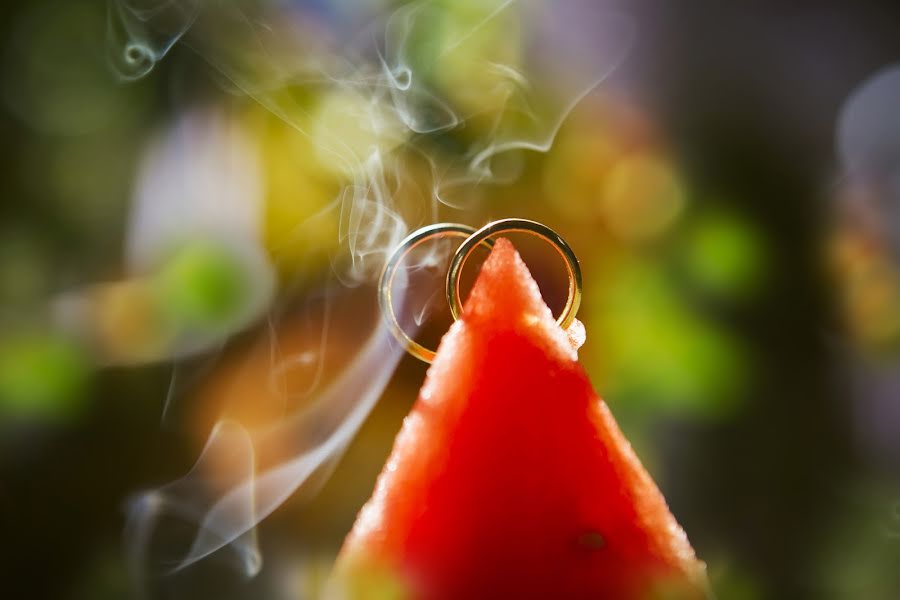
{"points": [[510, 477]]}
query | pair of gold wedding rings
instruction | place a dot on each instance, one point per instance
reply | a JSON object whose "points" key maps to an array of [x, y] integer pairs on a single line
{"points": [[473, 238]]}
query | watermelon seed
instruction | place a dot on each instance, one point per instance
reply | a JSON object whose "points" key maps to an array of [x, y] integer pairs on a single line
{"points": [[592, 540]]}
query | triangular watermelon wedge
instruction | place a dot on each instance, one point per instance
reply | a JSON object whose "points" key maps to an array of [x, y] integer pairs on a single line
{"points": [[510, 477]]}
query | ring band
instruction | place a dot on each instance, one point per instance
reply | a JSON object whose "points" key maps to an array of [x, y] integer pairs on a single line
{"points": [[386, 282], [517, 226]]}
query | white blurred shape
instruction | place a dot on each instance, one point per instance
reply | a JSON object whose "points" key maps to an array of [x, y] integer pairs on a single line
{"points": [[869, 126], [196, 215], [200, 178]]}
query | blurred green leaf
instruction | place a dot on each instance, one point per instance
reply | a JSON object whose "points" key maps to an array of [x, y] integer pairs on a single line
{"points": [[724, 255], [656, 351], [42, 377], [203, 286]]}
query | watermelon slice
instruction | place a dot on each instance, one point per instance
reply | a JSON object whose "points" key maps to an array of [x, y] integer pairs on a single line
{"points": [[510, 477]]}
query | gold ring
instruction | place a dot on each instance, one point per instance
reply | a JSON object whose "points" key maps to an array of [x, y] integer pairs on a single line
{"points": [[524, 226], [386, 282]]}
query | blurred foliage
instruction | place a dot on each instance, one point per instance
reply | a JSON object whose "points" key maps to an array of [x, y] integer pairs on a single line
{"points": [[729, 582], [202, 287], [860, 554], [42, 376], [54, 75], [299, 230], [653, 349], [724, 256]]}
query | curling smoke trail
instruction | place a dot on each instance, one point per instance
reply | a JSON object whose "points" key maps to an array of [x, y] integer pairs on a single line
{"points": [[428, 74], [249, 496], [143, 32]]}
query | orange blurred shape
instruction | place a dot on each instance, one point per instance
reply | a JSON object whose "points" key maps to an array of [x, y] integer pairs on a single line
{"points": [[121, 321], [264, 383], [869, 286], [641, 197]]}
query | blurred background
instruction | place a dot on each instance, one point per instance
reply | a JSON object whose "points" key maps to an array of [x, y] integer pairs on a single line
{"points": [[196, 390]]}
